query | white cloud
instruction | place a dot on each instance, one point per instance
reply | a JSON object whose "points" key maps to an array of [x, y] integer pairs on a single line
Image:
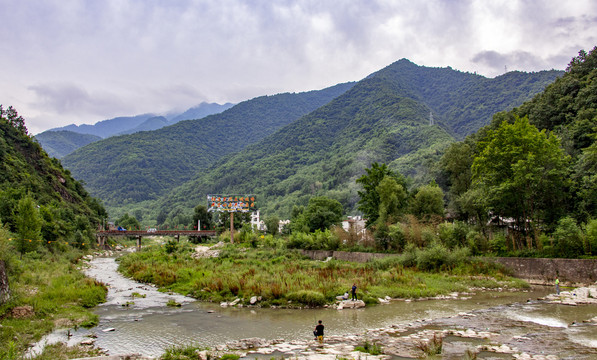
{"points": [[82, 61]]}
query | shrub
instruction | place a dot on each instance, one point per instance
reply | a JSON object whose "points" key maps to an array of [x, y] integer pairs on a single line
{"points": [[370, 348], [498, 245], [170, 246], [433, 257], [568, 239], [432, 347], [307, 297], [397, 237], [591, 236]]}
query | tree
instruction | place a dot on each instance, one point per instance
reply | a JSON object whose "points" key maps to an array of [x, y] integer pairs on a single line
{"points": [[321, 213], [393, 200], [28, 223], [428, 202], [456, 169], [521, 173], [14, 119], [272, 223], [128, 222], [161, 218], [370, 198], [585, 182], [201, 214]]}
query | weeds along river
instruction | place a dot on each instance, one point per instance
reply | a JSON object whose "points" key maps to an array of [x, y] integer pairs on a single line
{"points": [[146, 325]]}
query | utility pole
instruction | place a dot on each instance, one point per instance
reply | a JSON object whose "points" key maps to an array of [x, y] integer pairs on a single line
{"points": [[232, 228]]}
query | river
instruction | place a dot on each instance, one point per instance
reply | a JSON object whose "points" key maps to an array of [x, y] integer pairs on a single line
{"points": [[145, 325]]}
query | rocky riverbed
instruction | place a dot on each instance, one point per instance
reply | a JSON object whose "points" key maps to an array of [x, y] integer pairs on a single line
{"points": [[491, 333], [550, 327]]}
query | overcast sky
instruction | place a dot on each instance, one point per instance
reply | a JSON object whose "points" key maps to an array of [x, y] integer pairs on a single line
{"points": [[69, 61]]}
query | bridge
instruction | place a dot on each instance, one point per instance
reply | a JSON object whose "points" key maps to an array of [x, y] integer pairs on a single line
{"points": [[102, 236]]}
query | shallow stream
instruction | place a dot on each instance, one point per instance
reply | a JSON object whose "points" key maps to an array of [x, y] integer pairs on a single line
{"points": [[147, 326]]}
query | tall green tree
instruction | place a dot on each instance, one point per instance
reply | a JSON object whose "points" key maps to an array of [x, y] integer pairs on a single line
{"points": [[28, 223], [272, 223], [392, 200], [428, 202], [370, 198], [201, 214], [522, 174]]}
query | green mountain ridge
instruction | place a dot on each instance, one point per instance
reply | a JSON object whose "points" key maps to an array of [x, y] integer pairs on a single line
{"points": [[142, 166], [61, 143], [383, 118], [153, 123]]}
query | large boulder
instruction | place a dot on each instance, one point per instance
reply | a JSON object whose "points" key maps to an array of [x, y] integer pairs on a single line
{"points": [[351, 304]]}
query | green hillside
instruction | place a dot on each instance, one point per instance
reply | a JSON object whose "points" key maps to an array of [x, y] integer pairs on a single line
{"points": [[61, 143], [464, 101], [384, 118], [26, 171], [133, 168]]}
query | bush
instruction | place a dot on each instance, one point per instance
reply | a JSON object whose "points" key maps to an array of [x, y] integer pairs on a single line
{"points": [[498, 245], [397, 238], [170, 246], [370, 348], [307, 297], [568, 240], [591, 237]]}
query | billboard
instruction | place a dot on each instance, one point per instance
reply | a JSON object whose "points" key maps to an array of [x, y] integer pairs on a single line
{"points": [[231, 203]]}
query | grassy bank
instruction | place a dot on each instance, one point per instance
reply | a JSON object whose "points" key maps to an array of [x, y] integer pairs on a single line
{"points": [[280, 276], [47, 291]]}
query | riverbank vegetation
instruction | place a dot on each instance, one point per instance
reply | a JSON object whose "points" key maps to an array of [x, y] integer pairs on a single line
{"points": [[47, 290], [47, 222], [283, 277]]}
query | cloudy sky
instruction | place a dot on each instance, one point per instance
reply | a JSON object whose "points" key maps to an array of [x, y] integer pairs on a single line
{"points": [[79, 61]]}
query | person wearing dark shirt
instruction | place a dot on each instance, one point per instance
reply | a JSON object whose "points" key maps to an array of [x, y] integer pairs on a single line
{"points": [[319, 331], [354, 292]]}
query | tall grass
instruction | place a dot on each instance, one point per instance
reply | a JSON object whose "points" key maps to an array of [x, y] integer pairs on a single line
{"points": [[57, 291], [279, 275]]}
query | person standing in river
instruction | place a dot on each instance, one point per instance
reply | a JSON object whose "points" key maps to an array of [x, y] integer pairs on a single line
{"points": [[354, 292], [319, 331], [557, 286]]}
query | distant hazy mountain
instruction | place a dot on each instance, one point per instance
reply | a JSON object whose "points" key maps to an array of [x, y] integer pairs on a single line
{"points": [[107, 128], [61, 143], [153, 123], [71, 139], [145, 165], [130, 124], [200, 111]]}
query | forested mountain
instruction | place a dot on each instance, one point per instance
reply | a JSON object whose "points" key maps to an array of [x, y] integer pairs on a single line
{"points": [[29, 176], [404, 115], [61, 143], [132, 168]]}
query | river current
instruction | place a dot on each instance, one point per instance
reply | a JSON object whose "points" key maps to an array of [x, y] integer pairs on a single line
{"points": [[144, 324]]}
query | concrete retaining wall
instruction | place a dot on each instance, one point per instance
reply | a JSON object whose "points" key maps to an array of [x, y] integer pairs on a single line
{"points": [[343, 255], [536, 271], [544, 271]]}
